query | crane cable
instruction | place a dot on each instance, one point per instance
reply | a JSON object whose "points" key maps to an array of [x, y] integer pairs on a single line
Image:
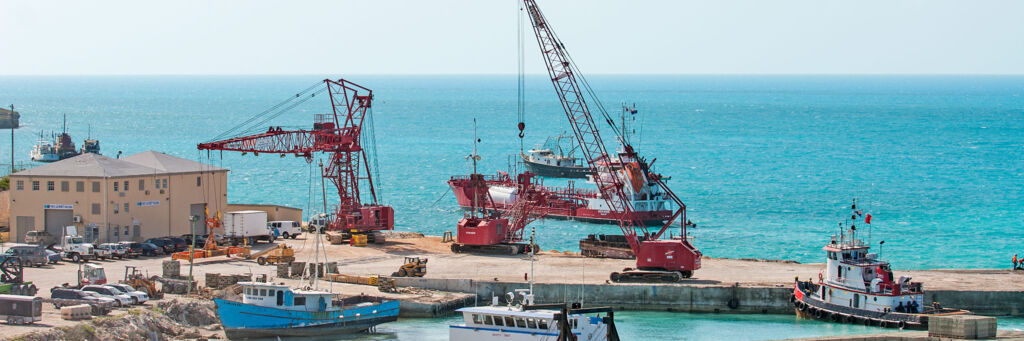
{"points": [[520, 77], [244, 124]]}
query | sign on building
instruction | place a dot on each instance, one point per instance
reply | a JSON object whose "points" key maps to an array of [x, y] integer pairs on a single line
{"points": [[58, 207], [148, 203]]}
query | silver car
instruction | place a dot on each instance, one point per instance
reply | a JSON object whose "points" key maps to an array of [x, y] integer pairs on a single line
{"points": [[138, 297]]}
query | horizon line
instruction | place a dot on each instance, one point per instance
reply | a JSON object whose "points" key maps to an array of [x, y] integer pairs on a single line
{"points": [[503, 74]]}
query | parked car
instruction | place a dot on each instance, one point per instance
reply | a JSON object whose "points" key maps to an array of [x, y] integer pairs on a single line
{"points": [[137, 297], [166, 245], [40, 238], [117, 295], [200, 240], [286, 229], [179, 243], [52, 256], [133, 249], [148, 249], [75, 294], [101, 254], [112, 250], [30, 255]]}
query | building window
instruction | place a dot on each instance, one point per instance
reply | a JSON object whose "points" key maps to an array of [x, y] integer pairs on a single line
{"points": [[126, 211], [96, 209], [198, 182], [126, 186], [115, 186], [126, 228], [35, 185], [164, 185], [95, 186], [142, 185], [65, 186], [21, 185], [115, 209], [49, 185], [80, 186]]}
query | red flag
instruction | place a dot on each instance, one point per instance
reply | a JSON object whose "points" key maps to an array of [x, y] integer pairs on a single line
{"points": [[867, 218]]}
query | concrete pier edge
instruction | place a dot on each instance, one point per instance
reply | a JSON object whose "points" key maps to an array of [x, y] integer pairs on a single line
{"points": [[699, 298]]}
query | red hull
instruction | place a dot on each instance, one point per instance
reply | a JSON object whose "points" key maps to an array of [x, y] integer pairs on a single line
{"points": [[564, 203]]}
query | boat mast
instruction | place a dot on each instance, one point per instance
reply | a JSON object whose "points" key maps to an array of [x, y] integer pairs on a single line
{"points": [[475, 157]]}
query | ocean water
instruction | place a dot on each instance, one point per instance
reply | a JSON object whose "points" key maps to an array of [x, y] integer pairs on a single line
{"points": [[766, 164], [649, 325]]}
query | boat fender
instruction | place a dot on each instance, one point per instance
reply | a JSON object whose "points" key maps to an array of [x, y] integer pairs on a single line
{"points": [[867, 322], [835, 317], [883, 324], [733, 303], [849, 319], [901, 324], [803, 306]]}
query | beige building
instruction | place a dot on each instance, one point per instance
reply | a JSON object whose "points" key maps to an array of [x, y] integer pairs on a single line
{"points": [[274, 212], [141, 196]]}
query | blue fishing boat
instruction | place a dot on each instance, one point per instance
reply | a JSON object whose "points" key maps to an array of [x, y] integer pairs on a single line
{"points": [[269, 310]]}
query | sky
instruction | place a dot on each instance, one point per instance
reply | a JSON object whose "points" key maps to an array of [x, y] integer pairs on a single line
{"points": [[70, 37]]}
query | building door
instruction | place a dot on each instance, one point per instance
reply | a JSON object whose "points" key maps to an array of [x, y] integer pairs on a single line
{"points": [[56, 220], [25, 224], [200, 211]]}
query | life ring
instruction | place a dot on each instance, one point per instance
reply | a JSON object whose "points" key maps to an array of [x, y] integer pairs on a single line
{"points": [[820, 277], [733, 303]]}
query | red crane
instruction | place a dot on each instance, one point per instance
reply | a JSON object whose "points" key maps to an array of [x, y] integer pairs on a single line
{"points": [[492, 231], [337, 134], [656, 260]]}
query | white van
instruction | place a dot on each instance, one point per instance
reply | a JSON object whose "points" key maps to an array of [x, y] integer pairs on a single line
{"points": [[286, 229]]}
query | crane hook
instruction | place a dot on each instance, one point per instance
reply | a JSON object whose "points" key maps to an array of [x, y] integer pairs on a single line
{"points": [[521, 127]]}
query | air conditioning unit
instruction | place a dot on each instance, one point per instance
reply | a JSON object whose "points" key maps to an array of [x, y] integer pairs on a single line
{"points": [[161, 191], [77, 219], [120, 194]]}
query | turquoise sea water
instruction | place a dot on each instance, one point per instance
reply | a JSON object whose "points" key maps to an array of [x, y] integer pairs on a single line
{"points": [[766, 164], [634, 325]]}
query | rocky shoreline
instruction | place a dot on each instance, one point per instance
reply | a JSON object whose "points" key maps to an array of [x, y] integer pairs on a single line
{"points": [[166, 320]]}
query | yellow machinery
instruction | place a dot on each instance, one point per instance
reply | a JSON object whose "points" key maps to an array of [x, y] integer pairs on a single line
{"points": [[413, 267], [134, 278], [358, 240], [280, 254]]}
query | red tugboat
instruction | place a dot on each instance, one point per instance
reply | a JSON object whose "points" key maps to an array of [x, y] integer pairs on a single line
{"points": [[857, 287]]}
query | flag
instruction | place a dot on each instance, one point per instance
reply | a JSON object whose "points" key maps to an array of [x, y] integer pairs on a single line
{"points": [[867, 218]]}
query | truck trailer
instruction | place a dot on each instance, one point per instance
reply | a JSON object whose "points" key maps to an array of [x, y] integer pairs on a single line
{"points": [[246, 227]]}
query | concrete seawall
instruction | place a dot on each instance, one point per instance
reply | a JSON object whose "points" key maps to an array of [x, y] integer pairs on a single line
{"points": [[699, 298]]}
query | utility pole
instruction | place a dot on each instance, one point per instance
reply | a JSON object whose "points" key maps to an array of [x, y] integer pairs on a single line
{"points": [[191, 253], [12, 138]]}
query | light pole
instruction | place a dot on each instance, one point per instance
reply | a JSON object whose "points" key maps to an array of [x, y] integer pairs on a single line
{"points": [[191, 253]]}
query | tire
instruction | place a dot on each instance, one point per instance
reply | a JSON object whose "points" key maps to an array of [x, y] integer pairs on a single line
{"points": [[135, 301], [733, 303], [402, 272], [76, 258], [901, 324], [284, 235], [616, 277], [867, 322], [295, 236], [261, 260]]}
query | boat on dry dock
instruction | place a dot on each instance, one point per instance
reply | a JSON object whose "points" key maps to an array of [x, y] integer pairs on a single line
{"points": [[858, 287]]}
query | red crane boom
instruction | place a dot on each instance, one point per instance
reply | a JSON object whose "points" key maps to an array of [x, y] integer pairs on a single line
{"points": [[338, 134], [659, 260]]}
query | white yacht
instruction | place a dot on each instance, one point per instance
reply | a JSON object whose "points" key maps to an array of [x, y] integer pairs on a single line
{"points": [[526, 321]]}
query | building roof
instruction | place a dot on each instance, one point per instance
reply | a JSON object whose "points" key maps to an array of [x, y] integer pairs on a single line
{"points": [[95, 165], [169, 164]]}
